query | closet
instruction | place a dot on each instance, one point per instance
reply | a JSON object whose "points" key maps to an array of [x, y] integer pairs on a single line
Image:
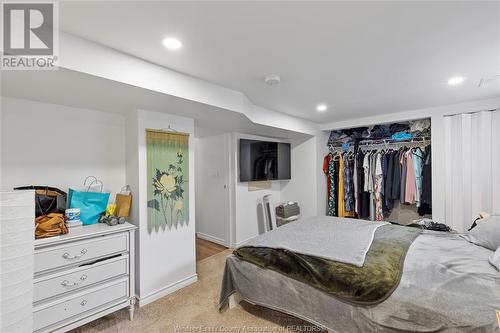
{"points": [[380, 172]]}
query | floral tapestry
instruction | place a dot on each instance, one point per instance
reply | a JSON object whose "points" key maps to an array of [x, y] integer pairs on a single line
{"points": [[168, 171]]}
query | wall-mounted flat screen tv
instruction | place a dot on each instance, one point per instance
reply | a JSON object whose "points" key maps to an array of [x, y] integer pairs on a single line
{"points": [[264, 160]]}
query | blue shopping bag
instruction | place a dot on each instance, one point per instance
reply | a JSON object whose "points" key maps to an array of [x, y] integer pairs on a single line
{"points": [[92, 204]]}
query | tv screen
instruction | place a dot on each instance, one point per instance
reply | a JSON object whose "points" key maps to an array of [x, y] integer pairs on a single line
{"points": [[264, 160]]}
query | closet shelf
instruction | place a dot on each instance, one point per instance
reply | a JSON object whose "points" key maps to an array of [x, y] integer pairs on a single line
{"points": [[388, 143]]}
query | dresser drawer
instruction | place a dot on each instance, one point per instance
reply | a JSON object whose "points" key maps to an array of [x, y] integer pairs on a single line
{"points": [[81, 277], [90, 300], [78, 252]]}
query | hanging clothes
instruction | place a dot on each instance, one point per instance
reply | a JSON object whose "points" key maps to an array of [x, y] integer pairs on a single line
{"points": [[332, 205], [396, 176], [364, 182], [355, 182], [366, 171], [411, 184], [385, 167], [326, 171], [379, 215], [359, 184], [418, 162], [340, 202], [373, 162], [404, 170], [336, 166], [426, 195], [348, 184], [388, 180]]}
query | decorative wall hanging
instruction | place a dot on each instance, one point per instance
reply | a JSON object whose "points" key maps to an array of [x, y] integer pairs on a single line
{"points": [[168, 172]]}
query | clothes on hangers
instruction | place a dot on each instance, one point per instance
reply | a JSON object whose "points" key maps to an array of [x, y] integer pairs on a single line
{"points": [[410, 184], [340, 199], [396, 176], [404, 173], [379, 215], [364, 183], [326, 168], [426, 194], [332, 205], [330, 168], [359, 182], [418, 162], [348, 184]]}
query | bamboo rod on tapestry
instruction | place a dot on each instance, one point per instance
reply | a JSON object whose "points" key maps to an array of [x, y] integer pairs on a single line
{"points": [[167, 131]]}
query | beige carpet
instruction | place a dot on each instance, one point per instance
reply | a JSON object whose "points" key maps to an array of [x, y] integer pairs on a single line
{"points": [[194, 309]]}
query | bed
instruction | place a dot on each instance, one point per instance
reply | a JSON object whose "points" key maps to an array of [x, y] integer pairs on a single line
{"points": [[446, 284]]}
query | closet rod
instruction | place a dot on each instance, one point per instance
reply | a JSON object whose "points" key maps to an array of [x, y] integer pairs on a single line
{"points": [[386, 143], [381, 146]]}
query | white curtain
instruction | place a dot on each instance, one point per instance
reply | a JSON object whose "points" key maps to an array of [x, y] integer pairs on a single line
{"points": [[472, 163]]}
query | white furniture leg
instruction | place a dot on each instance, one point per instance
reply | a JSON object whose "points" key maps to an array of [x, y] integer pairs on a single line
{"points": [[234, 300], [131, 309]]}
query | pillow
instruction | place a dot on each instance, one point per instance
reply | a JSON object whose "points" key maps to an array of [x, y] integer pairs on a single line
{"points": [[479, 219], [486, 233], [495, 259]]}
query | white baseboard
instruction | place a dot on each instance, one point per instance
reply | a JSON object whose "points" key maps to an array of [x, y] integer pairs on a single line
{"points": [[242, 242], [212, 239], [167, 290]]}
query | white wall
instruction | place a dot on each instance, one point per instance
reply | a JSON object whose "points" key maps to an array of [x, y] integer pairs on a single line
{"points": [[246, 213], [245, 210], [321, 151], [56, 145], [166, 259], [302, 187], [212, 191], [59, 146]]}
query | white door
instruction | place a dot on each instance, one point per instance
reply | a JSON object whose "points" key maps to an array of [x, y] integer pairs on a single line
{"points": [[212, 188]]}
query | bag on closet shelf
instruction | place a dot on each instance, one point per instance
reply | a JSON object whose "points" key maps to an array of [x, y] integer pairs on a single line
{"points": [[47, 199], [123, 202], [92, 204]]}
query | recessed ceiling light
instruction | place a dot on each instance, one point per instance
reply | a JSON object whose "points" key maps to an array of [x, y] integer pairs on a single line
{"points": [[172, 43], [272, 79], [321, 108], [456, 80]]}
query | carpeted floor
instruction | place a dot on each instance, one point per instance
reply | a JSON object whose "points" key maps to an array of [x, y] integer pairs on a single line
{"points": [[194, 309]]}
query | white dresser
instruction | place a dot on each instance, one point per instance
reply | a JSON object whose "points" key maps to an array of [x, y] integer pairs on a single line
{"points": [[83, 275], [17, 213]]}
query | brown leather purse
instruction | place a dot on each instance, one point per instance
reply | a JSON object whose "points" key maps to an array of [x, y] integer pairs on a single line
{"points": [[50, 225]]}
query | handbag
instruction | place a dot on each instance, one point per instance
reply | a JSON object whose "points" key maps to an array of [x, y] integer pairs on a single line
{"points": [[50, 225], [47, 199], [92, 204], [123, 202]]}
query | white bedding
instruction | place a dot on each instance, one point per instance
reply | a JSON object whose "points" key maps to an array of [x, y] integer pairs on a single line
{"points": [[447, 286], [338, 239]]}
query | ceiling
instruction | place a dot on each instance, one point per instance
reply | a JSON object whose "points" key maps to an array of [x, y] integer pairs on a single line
{"points": [[360, 58], [79, 90]]}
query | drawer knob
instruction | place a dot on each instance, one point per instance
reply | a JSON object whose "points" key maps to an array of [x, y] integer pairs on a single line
{"points": [[66, 283], [82, 303], [68, 256]]}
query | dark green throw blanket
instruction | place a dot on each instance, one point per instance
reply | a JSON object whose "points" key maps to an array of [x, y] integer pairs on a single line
{"points": [[367, 285]]}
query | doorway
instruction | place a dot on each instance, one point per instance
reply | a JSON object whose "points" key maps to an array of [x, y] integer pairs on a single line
{"points": [[212, 194]]}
